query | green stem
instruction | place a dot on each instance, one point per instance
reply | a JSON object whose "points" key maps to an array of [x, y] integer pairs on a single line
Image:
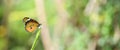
{"points": [[36, 38]]}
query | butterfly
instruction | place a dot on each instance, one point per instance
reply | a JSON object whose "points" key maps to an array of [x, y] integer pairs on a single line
{"points": [[30, 24]]}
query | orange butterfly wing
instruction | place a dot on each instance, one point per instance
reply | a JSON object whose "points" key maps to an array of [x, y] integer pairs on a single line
{"points": [[31, 26]]}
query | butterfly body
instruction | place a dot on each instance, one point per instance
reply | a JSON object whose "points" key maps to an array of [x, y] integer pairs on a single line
{"points": [[30, 24]]}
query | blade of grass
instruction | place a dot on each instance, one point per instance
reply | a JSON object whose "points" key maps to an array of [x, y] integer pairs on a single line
{"points": [[36, 38]]}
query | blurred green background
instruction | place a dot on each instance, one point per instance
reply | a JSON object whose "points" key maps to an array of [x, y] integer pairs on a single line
{"points": [[67, 24]]}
